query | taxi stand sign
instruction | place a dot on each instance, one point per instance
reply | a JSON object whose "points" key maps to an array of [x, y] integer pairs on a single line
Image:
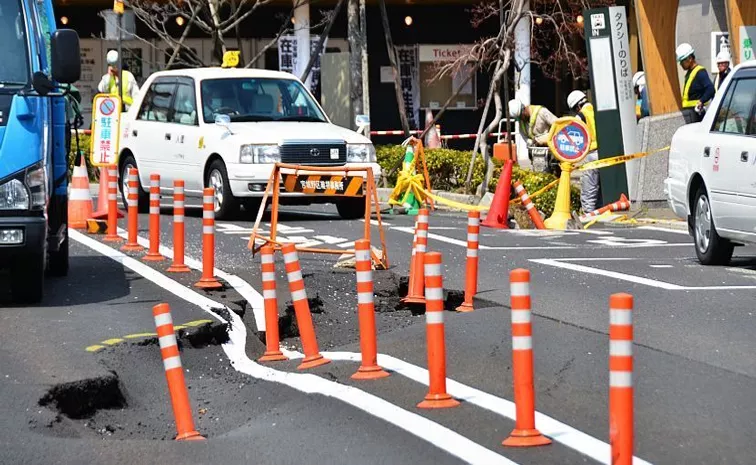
{"points": [[106, 118]]}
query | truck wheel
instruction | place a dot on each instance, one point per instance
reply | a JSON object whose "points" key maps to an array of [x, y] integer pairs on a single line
{"points": [[58, 265], [144, 196], [28, 279], [226, 205], [351, 208], [710, 248]]}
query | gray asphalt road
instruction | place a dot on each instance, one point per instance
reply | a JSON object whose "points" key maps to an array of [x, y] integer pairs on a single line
{"points": [[693, 326]]}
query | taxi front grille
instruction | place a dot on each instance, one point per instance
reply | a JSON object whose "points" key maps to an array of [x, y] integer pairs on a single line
{"points": [[315, 153]]}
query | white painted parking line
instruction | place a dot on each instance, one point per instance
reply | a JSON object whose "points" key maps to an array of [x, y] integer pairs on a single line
{"points": [[375, 222], [661, 266], [330, 239], [668, 230], [437, 237], [434, 433], [564, 263]]}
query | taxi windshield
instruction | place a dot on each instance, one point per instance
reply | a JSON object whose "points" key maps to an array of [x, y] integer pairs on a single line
{"points": [[258, 99]]}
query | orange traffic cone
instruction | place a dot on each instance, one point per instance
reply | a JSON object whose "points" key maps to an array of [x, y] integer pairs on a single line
{"points": [[102, 197], [498, 215], [79, 198]]}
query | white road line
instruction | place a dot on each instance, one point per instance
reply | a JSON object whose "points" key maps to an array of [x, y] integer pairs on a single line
{"points": [[249, 293], [437, 237], [543, 247], [330, 239], [669, 230], [375, 222], [661, 266], [563, 263], [434, 433]]}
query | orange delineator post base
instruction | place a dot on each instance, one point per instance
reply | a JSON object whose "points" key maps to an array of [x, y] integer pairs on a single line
{"points": [[369, 369], [153, 254], [437, 396], [621, 430], [525, 433], [112, 235], [415, 294], [132, 199], [101, 212], [208, 280], [471, 267], [272, 340], [498, 215], [174, 374], [178, 265], [313, 358]]}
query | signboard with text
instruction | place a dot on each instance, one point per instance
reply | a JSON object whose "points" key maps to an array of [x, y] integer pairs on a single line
{"points": [[747, 37], [106, 116]]}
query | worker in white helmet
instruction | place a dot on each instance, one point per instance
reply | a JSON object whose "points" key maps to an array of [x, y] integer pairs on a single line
{"points": [[109, 82], [723, 66], [698, 90], [535, 121], [589, 180], [642, 108]]}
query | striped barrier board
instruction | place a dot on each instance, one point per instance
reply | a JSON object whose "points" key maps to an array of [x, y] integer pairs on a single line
{"points": [[348, 186]]}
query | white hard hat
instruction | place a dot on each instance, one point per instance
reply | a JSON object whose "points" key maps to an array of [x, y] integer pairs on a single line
{"points": [[515, 108], [723, 57], [575, 97], [112, 57], [638, 77], [684, 51]]}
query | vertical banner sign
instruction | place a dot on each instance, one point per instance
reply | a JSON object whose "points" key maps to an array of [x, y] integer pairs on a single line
{"points": [[607, 41], [287, 57], [409, 76], [747, 37], [106, 116]]}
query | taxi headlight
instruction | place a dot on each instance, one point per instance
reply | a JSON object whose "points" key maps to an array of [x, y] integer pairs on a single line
{"points": [[360, 153], [253, 153]]}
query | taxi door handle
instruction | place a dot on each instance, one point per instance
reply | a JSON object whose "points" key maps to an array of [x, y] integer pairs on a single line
{"points": [[707, 152], [134, 132], [744, 156], [168, 136]]}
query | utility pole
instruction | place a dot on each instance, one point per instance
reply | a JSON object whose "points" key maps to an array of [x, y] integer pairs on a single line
{"points": [[354, 37], [364, 65], [118, 9]]}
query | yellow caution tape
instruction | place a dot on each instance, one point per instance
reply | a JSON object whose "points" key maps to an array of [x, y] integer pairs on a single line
{"points": [[617, 160]]}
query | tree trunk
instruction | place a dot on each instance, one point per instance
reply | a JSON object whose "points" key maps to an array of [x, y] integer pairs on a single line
{"points": [[364, 63], [321, 40], [237, 28], [482, 124], [355, 50], [394, 67], [219, 46]]}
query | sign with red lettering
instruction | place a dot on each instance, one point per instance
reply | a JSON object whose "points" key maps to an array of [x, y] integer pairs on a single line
{"points": [[443, 52], [106, 118]]}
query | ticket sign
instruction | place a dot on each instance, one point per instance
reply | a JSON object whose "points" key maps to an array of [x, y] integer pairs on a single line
{"points": [[106, 117], [569, 140]]}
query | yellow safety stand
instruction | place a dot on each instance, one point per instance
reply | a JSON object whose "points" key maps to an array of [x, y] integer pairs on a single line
{"points": [[570, 142]]}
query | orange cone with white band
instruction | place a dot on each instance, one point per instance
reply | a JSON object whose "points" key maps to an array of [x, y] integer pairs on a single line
{"points": [[153, 255], [369, 368], [416, 281], [528, 204], [471, 270], [112, 235], [132, 200], [208, 280], [272, 341], [178, 265], [313, 358], [621, 378], [437, 396], [79, 198], [525, 433], [622, 204], [174, 374]]}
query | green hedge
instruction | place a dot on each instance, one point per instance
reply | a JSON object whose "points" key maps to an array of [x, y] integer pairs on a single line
{"points": [[84, 142], [447, 170]]}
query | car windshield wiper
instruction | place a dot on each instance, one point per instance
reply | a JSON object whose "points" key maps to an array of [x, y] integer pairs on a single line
{"points": [[303, 118], [250, 118]]}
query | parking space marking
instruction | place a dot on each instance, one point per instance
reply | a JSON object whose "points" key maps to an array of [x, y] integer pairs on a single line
{"points": [[564, 263], [376, 223], [667, 230], [661, 266]]}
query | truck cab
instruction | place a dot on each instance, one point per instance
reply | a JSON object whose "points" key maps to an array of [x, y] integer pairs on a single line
{"points": [[38, 62]]}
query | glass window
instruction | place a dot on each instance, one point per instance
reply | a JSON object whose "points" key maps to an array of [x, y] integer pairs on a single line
{"points": [[157, 102], [740, 109], [719, 121], [258, 99], [13, 52], [184, 106]]}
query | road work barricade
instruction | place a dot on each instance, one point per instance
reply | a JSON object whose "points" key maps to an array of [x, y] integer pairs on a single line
{"points": [[320, 180]]}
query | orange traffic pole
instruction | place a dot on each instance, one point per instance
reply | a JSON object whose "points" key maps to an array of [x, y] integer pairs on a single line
{"points": [[313, 358], [369, 369], [178, 265], [112, 235], [272, 341], [174, 374], [621, 378], [132, 200], [525, 198], [437, 396], [525, 433], [208, 280], [415, 291], [621, 205], [153, 254], [471, 269]]}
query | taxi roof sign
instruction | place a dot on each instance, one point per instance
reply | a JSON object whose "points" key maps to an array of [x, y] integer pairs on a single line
{"points": [[230, 59], [569, 140]]}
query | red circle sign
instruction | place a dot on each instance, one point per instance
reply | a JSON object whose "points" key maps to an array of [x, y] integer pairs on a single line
{"points": [[571, 142], [107, 107]]}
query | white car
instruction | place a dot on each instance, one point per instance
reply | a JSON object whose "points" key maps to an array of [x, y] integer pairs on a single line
{"points": [[712, 170], [225, 128]]}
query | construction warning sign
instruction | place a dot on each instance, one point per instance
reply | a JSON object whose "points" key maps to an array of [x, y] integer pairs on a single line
{"points": [[106, 116], [349, 186]]}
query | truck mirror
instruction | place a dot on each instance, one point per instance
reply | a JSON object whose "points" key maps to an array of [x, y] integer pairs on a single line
{"points": [[66, 64], [42, 84]]}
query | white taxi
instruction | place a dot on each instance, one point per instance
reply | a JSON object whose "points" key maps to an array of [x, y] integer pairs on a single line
{"points": [[225, 128], [712, 170]]}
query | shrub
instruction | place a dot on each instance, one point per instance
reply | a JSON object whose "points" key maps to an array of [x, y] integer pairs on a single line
{"points": [[84, 142]]}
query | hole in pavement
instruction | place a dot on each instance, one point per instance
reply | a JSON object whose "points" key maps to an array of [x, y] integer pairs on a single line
{"points": [[208, 334], [82, 399]]}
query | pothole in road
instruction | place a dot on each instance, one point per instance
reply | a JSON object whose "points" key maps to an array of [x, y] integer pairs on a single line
{"points": [[201, 336], [82, 399]]}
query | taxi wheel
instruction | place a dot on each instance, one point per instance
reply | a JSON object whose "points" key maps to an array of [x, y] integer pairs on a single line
{"points": [[710, 248], [226, 205], [144, 197]]}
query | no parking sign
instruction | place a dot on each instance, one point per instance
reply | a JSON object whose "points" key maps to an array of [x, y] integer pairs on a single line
{"points": [[569, 140], [106, 119]]}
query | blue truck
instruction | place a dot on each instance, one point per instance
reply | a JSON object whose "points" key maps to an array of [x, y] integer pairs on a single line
{"points": [[38, 65]]}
